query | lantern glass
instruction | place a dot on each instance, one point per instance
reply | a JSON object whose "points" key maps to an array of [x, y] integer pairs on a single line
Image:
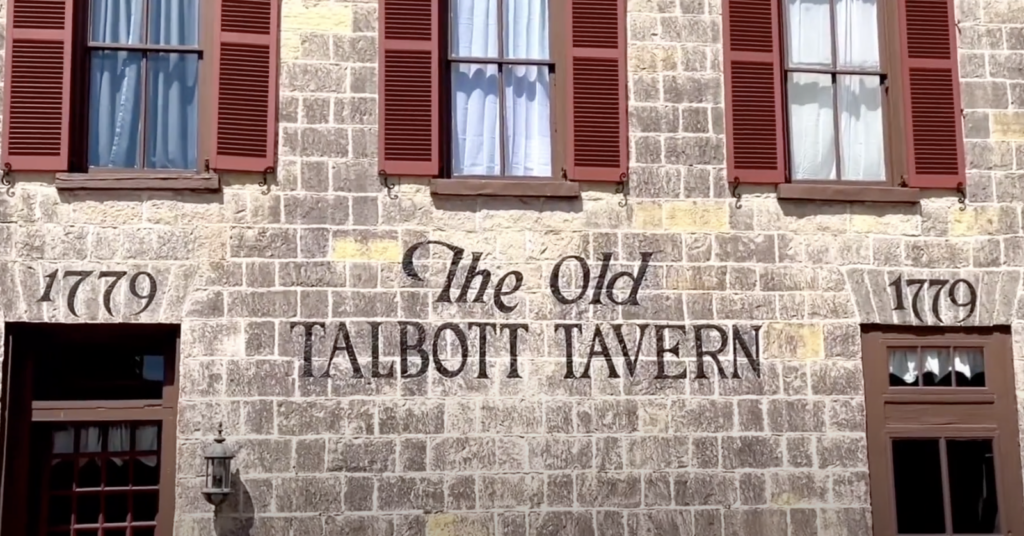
{"points": [[218, 474]]}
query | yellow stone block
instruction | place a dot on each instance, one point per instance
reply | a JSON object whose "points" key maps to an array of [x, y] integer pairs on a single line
{"points": [[347, 249], [647, 217], [887, 224], [299, 16], [794, 340], [1007, 125], [453, 525], [696, 216], [976, 220]]}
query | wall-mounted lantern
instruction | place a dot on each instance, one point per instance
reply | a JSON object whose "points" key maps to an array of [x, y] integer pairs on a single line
{"points": [[218, 470]]}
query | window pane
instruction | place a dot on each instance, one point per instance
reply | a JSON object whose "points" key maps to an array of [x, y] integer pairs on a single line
{"points": [[903, 368], [476, 127], [475, 28], [972, 486], [174, 22], [857, 34], [812, 144], [528, 121], [809, 29], [116, 21], [938, 369], [526, 29], [969, 366], [917, 478], [172, 111], [115, 109], [862, 142]]}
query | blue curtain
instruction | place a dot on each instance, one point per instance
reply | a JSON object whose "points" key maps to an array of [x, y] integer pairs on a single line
{"points": [[168, 115]]}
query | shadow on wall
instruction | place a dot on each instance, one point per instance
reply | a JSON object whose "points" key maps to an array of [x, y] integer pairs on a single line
{"points": [[237, 515]]}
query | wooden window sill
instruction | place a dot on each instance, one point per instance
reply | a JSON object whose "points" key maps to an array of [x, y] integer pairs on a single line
{"points": [[505, 188], [852, 193], [137, 181]]}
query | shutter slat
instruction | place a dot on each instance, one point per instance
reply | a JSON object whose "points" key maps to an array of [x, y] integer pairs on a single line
{"points": [[931, 83], [245, 82], [753, 92], [38, 85], [597, 99], [409, 133]]}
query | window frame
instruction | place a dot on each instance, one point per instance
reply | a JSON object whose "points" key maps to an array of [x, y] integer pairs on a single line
{"points": [[22, 411], [941, 413], [557, 185], [79, 168], [892, 105]]}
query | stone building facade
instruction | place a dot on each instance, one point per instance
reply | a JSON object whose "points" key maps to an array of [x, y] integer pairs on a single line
{"points": [[262, 278]]}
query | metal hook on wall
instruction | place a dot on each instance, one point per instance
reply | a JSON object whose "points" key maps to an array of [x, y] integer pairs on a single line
{"points": [[7, 180], [623, 188], [734, 190], [388, 184], [265, 181], [961, 191]]}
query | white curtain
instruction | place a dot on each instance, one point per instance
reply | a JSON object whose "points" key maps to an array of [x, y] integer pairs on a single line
{"points": [[813, 97], [116, 115], [90, 439], [904, 364], [479, 124]]}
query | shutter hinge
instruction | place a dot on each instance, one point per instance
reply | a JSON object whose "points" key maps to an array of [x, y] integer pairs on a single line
{"points": [[623, 188], [734, 190], [206, 165], [7, 180], [565, 174], [386, 181], [903, 181], [265, 181], [961, 191]]}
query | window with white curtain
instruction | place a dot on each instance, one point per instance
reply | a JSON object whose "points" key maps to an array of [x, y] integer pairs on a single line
{"points": [[501, 88], [143, 84], [835, 91]]}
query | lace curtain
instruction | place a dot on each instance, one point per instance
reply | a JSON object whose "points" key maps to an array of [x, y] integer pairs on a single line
{"points": [[480, 120], [811, 102], [966, 361], [117, 120], [119, 437]]}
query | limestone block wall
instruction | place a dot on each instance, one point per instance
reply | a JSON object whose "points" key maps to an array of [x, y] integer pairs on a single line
{"points": [[254, 275]]}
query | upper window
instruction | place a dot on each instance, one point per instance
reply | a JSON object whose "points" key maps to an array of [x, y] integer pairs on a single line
{"points": [[499, 95], [835, 90], [501, 78], [943, 452], [828, 93], [143, 80], [141, 93]]}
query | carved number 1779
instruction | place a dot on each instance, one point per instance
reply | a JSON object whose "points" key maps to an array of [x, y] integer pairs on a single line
{"points": [[147, 293], [898, 289]]}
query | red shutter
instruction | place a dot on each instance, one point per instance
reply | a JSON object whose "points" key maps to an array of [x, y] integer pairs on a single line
{"points": [[245, 61], [409, 91], [596, 105], [37, 84], [931, 83], [753, 91]]}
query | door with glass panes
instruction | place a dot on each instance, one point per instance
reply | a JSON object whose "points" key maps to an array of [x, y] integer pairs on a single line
{"points": [[942, 433]]}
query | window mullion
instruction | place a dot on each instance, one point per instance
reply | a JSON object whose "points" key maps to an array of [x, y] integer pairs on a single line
{"points": [[947, 503], [501, 89]]}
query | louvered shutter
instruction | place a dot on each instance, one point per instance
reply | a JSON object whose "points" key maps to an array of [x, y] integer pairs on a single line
{"points": [[931, 87], [596, 100], [245, 61], [753, 91], [37, 84], [409, 90]]}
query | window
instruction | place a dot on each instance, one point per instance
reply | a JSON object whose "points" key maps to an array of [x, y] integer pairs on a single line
{"points": [[504, 97], [824, 94], [141, 93], [97, 405], [835, 88], [501, 79], [942, 431], [143, 84]]}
